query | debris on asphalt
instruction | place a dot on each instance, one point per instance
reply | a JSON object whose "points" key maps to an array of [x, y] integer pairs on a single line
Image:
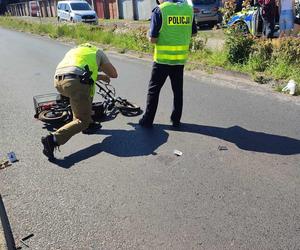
{"points": [[12, 157], [26, 238], [4, 163], [177, 152], [291, 87], [222, 148], [24, 243]]}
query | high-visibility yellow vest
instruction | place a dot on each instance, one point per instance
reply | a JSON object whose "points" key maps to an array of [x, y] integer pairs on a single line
{"points": [[84, 54], [174, 38]]}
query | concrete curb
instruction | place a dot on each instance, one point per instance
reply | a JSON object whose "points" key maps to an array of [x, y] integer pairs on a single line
{"points": [[6, 238]]}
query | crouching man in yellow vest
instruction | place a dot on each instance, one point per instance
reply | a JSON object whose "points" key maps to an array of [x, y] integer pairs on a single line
{"points": [[172, 25], [75, 78]]}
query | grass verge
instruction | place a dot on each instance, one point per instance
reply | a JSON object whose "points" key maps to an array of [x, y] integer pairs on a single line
{"points": [[263, 61], [79, 33]]}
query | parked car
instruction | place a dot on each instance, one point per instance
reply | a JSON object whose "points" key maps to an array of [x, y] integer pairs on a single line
{"points": [[76, 11], [250, 21], [207, 12]]}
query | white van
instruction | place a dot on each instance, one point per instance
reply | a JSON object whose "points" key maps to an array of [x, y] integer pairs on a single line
{"points": [[76, 11]]}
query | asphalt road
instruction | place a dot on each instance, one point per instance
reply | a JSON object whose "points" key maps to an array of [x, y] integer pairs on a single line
{"points": [[125, 189]]}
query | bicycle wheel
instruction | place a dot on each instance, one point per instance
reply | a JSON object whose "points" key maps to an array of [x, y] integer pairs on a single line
{"points": [[53, 117], [127, 108]]}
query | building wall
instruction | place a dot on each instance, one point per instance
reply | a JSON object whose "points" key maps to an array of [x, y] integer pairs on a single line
{"points": [[47, 8], [144, 9], [3, 4], [113, 9], [99, 8], [126, 9], [18, 9], [136, 9], [106, 8]]}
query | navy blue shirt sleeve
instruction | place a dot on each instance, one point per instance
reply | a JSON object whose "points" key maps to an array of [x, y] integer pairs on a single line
{"points": [[194, 27], [156, 22]]}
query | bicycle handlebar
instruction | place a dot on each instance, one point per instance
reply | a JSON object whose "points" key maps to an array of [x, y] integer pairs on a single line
{"points": [[106, 88]]}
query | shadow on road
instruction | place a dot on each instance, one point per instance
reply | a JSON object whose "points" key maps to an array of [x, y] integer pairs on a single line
{"points": [[140, 141], [121, 143], [246, 139]]}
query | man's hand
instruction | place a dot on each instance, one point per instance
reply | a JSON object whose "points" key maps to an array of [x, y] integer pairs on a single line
{"points": [[104, 78], [152, 40]]}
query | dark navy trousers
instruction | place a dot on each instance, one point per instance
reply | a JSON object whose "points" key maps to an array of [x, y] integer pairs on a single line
{"points": [[159, 74]]}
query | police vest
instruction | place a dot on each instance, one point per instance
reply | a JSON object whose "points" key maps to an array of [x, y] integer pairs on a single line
{"points": [[84, 54], [172, 46]]}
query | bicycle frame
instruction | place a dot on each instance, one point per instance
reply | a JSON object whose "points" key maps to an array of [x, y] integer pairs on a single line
{"points": [[53, 111], [106, 92]]}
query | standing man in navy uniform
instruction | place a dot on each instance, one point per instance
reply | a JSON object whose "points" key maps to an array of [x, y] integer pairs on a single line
{"points": [[172, 25]]}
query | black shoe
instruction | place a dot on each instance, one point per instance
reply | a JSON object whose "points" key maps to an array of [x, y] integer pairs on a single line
{"points": [[49, 146], [176, 124], [143, 123], [93, 128]]}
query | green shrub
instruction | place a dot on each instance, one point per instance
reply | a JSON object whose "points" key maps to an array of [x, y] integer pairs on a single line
{"points": [[260, 56], [197, 43], [140, 38], [61, 30], [255, 63], [238, 46], [218, 58], [228, 10], [279, 69], [107, 38], [264, 59], [288, 50]]}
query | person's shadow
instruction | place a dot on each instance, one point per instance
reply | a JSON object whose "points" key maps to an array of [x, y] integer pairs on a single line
{"points": [[140, 141], [121, 143], [247, 139]]}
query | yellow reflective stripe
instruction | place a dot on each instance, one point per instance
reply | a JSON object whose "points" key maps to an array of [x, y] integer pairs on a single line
{"points": [[171, 48], [171, 57]]}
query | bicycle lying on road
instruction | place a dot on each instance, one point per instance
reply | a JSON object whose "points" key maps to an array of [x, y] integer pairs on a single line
{"points": [[55, 108]]}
